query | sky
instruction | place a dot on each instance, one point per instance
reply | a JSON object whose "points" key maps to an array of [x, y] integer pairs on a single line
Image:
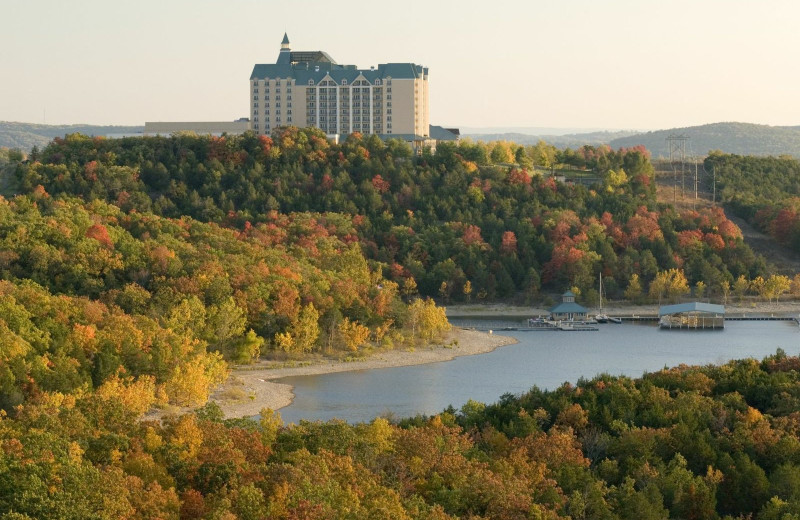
{"points": [[600, 64]]}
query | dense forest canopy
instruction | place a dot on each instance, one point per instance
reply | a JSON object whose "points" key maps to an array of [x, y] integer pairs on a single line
{"points": [[470, 212], [763, 190], [89, 291], [712, 442], [133, 271]]}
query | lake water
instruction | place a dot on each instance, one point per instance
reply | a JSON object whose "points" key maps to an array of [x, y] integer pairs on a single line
{"points": [[543, 359]]}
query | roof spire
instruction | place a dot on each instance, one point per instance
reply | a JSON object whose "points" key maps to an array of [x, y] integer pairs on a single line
{"points": [[285, 42]]}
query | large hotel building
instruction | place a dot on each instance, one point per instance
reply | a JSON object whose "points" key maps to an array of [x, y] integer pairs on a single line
{"points": [[308, 88]]}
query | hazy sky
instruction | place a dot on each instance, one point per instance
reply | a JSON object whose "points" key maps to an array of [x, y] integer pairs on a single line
{"points": [[628, 64]]}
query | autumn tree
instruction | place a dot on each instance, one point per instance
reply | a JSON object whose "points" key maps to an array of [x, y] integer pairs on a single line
{"points": [[427, 321], [740, 287], [700, 289], [467, 290], [725, 290], [795, 287], [775, 286], [634, 290], [353, 334], [671, 283]]}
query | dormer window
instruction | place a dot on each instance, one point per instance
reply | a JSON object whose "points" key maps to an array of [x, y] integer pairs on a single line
{"points": [[377, 81], [344, 82], [311, 82]]}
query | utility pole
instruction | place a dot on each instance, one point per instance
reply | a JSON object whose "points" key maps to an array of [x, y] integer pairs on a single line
{"points": [[677, 156], [714, 193]]}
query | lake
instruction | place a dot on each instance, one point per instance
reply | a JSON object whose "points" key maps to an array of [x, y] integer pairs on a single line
{"points": [[544, 359]]}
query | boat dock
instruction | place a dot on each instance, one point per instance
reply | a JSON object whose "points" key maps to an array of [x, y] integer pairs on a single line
{"points": [[536, 326], [652, 317], [506, 324]]}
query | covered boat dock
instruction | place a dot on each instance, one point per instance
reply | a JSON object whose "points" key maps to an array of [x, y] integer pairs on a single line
{"points": [[693, 316]]}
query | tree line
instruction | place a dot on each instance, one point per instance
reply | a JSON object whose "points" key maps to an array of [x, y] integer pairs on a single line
{"points": [[470, 212], [763, 190], [714, 442], [89, 292]]}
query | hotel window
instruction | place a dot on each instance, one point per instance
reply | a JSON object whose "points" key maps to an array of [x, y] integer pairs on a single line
{"points": [[255, 104], [255, 126], [255, 91]]}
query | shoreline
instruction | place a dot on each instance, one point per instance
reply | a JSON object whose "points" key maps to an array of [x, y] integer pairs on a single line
{"points": [[501, 310], [249, 389]]}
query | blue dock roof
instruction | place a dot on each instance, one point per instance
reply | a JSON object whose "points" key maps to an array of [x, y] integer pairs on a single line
{"points": [[691, 307]]}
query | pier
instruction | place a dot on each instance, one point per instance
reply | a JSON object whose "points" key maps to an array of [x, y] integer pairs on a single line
{"points": [[515, 323], [634, 318]]}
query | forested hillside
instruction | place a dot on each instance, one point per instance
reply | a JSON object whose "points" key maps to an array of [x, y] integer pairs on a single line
{"points": [[133, 271], [89, 293], [707, 443], [735, 138], [469, 215], [763, 190]]}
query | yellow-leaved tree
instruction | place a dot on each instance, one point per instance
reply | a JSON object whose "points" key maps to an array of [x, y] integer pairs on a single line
{"points": [[671, 283], [303, 332], [427, 321], [777, 285], [190, 383], [353, 334]]}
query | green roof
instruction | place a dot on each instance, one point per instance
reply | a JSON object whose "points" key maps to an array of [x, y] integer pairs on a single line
{"points": [[316, 70], [691, 307], [442, 134], [568, 307]]}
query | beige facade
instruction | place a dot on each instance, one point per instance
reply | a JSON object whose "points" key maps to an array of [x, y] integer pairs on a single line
{"points": [[310, 89]]}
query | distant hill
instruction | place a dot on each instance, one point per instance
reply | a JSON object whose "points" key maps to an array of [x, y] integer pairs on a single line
{"points": [[734, 138], [25, 135], [559, 141]]}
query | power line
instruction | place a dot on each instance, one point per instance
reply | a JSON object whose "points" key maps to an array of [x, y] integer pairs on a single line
{"points": [[677, 158]]}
